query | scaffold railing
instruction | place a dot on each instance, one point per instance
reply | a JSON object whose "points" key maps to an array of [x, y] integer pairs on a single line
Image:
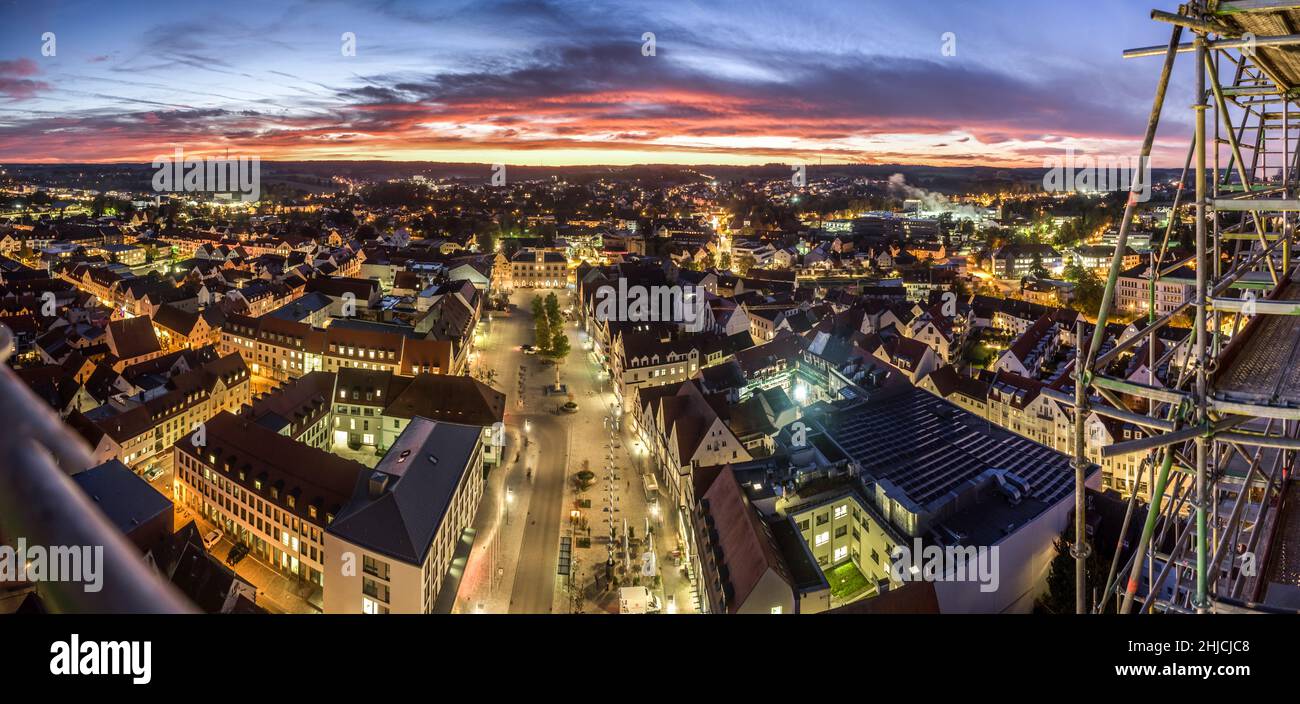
{"points": [[41, 505], [1222, 432]]}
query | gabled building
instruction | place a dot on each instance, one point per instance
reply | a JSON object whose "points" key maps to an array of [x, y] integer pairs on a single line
{"points": [[739, 557], [135, 429], [683, 428], [132, 340]]}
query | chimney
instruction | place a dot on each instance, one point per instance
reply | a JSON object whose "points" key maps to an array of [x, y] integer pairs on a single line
{"points": [[378, 484]]}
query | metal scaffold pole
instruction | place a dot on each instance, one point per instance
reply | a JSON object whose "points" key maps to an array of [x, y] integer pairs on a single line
{"points": [[1233, 379], [1084, 362], [1202, 441]]}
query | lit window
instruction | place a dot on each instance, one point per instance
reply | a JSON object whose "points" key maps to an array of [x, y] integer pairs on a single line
{"points": [[841, 511], [822, 538]]}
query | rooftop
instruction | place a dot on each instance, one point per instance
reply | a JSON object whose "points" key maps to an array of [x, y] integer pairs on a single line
{"points": [[396, 509]]}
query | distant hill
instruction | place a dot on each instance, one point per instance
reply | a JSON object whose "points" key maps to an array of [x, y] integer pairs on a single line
{"points": [[317, 175]]}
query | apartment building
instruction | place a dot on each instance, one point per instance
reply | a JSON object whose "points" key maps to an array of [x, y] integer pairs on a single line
{"points": [[181, 329], [1133, 289], [374, 408], [405, 521], [267, 491], [926, 473], [131, 341], [1032, 349], [646, 355], [1012, 261], [365, 408], [137, 428], [683, 428], [746, 564], [282, 350], [301, 410], [1019, 404], [1099, 256]]}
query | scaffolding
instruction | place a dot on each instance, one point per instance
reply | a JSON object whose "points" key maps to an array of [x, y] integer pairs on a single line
{"points": [[1219, 436]]}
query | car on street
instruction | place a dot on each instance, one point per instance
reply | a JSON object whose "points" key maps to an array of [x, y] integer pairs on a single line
{"points": [[528, 349], [237, 553], [211, 538], [153, 472], [569, 407]]}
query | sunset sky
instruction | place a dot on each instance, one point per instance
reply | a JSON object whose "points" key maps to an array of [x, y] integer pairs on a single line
{"points": [[556, 82]]}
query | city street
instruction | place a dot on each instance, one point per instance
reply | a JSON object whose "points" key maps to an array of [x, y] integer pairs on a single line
{"points": [[528, 501], [513, 566]]}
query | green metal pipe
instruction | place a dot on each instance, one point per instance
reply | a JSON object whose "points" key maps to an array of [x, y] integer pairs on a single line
{"points": [[1148, 529], [1202, 278], [1083, 365]]}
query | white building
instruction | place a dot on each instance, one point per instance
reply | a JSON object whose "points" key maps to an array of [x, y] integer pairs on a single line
{"points": [[401, 528]]}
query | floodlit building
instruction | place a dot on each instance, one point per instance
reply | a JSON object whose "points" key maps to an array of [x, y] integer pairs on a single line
{"points": [[921, 469], [538, 268], [265, 490], [1133, 289], [1013, 261], [405, 520]]}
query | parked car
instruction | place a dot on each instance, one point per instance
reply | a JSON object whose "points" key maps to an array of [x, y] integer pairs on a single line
{"points": [[153, 472], [212, 538], [237, 553]]}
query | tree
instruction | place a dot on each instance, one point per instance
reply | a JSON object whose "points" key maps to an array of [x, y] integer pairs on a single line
{"points": [[559, 349], [1088, 288], [553, 309], [541, 325], [486, 239], [1059, 597], [542, 332], [1039, 271]]}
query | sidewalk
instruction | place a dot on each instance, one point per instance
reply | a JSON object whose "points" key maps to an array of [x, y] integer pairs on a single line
{"points": [[490, 570], [608, 456], [277, 592]]}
